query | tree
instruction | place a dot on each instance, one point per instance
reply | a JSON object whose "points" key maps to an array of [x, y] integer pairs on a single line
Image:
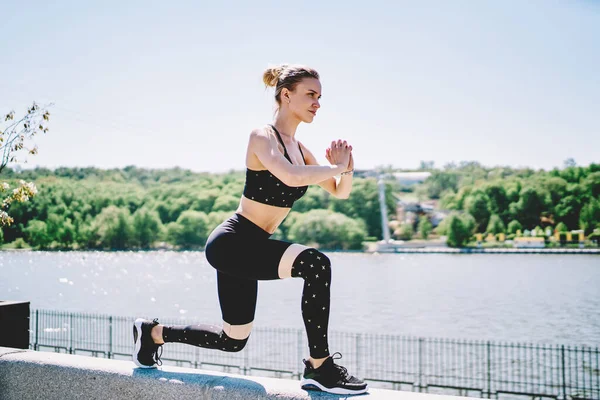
{"points": [[425, 165], [114, 228], [226, 202], [424, 227], [557, 189], [37, 234], [458, 234], [13, 139], [329, 230], [405, 232], [147, 227], [478, 205], [363, 203], [496, 225], [498, 201], [592, 182], [205, 200], [514, 226], [439, 182], [190, 230], [561, 227], [569, 162], [67, 233], [469, 222], [529, 208], [590, 216], [568, 210]]}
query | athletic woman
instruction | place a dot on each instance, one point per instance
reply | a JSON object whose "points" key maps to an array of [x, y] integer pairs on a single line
{"points": [[279, 170]]}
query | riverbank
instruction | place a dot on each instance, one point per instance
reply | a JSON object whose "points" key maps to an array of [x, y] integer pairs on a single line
{"points": [[446, 250]]}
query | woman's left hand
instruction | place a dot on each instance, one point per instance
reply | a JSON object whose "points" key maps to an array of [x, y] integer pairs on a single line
{"points": [[350, 166], [350, 163]]}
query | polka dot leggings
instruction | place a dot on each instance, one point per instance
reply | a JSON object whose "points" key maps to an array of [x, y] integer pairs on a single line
{"points": [[207, 336], [243, 254], [315, 268]]}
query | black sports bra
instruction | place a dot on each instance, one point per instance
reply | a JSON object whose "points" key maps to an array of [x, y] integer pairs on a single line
{"points": [[266, 188]]}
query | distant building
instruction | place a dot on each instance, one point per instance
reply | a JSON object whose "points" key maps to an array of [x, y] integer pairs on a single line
{"points": [[529, 242], [409, 212], [411, 178]]}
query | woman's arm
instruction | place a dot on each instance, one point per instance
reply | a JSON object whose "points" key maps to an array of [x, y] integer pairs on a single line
{"points": [[265, 147], [339, 188]]}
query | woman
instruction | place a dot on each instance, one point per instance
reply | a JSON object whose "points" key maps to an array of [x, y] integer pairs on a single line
{"points": [[279, 170]]}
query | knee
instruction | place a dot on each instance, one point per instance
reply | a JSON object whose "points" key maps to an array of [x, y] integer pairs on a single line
{"points": [[313, 265], [233, 345]]}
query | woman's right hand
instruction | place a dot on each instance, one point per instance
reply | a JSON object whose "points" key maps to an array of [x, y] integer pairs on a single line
{"points": [[339, 153]]}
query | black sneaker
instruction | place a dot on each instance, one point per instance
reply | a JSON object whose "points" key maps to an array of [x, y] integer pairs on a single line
{"points": [[331, 378], [145, 352]]}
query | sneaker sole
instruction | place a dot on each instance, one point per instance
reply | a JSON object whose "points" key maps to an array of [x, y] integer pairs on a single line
{"points": [[137, 333], [311, 384]]}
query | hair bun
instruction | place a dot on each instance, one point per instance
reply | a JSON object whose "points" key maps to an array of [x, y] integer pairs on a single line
{"points": [[272, 74]]}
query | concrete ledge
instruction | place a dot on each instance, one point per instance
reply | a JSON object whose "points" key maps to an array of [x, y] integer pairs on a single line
{"points": [[27, 374]]}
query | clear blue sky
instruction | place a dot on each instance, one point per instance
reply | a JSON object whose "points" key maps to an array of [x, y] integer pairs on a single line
{"points": [[163, 84]]}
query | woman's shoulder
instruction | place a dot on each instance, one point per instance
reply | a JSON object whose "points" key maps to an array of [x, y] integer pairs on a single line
{"points": [[262, 133]]}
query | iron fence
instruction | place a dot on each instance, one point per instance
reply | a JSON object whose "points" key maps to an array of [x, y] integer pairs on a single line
{"points": [[435, 365]]}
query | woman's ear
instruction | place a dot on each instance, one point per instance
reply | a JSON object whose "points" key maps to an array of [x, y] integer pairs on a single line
{"points": [[285, 95]]}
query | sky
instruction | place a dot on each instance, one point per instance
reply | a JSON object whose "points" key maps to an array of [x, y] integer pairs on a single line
{"points": [[179, 84]]}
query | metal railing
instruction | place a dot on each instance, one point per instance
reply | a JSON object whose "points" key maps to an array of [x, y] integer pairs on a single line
{"points": [[444, 366]]}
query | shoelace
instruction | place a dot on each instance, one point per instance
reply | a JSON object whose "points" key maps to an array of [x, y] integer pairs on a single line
{"points": [[155, 356], [342, 370]]}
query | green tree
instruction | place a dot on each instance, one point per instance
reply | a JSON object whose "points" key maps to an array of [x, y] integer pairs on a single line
{"points": [[590, 216], [425, 227], [147, 228], [37, 234], [478, 205], [458, 234], [514, 226], [329, 230], [363, 203], [557, 189], [498, 201], [54, 223], [314, 198], [190, 230], [568, 210], [562, 227], [529, 208], [468, 222], [496, 225], [67, 233], [440, 181], [226, 203], [114, 228], [205, 200], [405, 231], [592, 183]]}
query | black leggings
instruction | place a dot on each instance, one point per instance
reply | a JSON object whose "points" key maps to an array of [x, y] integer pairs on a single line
{"points": [[243, 254]]}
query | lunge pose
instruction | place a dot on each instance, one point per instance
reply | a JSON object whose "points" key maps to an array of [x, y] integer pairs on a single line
{"points": [[279, 170]]}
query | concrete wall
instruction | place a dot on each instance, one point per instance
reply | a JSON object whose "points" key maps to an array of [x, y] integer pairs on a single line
{"points": [[26, 374]]}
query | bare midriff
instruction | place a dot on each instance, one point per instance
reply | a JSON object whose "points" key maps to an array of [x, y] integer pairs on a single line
{"points": [[265, 216]]}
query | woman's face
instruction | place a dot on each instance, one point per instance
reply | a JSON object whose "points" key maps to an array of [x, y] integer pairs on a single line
{"points": [[304, 100]]}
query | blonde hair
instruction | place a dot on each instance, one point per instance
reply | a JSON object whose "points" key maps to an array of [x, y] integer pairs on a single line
{"points": [[286, 76]]}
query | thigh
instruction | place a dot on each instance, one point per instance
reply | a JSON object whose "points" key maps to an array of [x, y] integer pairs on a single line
{"points": [[247, 258], [237, 297]]}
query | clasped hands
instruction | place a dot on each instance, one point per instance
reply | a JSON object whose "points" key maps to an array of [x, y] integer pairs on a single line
{"points": [[340, 153]]}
